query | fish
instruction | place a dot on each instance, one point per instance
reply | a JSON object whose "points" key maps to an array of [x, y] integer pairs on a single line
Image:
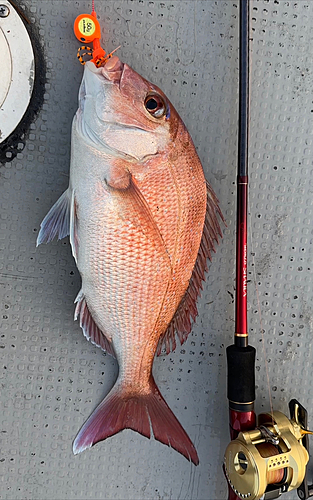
{"points": [[142, 222]]}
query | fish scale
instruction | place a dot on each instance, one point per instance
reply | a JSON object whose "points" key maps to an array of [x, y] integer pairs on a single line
{"points": [[133, 263], [142, 222], [188, 226]]}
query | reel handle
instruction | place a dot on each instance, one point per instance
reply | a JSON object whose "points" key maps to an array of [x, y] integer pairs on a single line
{"points": [[300, 415]]}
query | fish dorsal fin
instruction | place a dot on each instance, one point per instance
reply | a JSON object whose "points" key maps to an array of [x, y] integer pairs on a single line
{"points": [[57, 220], [187, 310], [91, 331]]}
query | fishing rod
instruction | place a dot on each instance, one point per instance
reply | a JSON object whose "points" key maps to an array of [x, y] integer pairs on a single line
{"points": [[268, 454]]}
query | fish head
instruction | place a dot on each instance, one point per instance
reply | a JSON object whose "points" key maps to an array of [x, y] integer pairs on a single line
{"points": [[122, 113]]}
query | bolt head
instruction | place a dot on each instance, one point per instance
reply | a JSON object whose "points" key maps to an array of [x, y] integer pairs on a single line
{"points": [[4, 11]]}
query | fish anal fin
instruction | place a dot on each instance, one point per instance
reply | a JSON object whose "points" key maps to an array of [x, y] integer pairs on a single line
{"points": [[141, 413], [57, 220], [187, 311], [90, 329]]}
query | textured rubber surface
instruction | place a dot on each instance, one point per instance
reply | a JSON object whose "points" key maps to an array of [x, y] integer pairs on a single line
{"points": [[51, 377]]}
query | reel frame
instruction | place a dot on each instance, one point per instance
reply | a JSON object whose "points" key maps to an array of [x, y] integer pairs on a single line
{"points": [[248, 472]]}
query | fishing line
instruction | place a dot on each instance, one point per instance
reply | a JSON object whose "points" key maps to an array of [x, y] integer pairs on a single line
{"points": [[252, 253], [261, 321]]}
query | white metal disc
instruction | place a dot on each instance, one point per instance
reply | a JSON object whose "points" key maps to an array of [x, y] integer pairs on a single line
{"points": [[17, 71], [6, 68]]}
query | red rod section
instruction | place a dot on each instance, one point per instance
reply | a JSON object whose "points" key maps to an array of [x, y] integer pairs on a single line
{"points": [[241, 325], [241, 421]]}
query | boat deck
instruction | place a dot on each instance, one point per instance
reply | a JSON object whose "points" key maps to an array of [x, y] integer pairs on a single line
{"points": [[51, 377]]}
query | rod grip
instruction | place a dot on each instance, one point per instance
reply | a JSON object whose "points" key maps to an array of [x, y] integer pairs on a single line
{"points": [[240, 376]]}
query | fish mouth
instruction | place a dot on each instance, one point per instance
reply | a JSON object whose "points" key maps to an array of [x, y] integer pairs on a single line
{"points": [[111, 72]]}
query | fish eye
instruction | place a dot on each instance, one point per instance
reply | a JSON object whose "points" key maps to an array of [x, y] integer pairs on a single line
{"points": [[155, 105]]}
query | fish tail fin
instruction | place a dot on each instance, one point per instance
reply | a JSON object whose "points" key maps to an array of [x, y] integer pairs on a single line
{"points": [[147, 414]]}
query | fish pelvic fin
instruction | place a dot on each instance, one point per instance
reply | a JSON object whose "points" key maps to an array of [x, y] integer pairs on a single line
{"points": [[57, 220], [187, 311], [148, 414]]}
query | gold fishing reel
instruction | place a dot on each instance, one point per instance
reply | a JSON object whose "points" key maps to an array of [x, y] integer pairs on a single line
{"points": [[265, 462]]}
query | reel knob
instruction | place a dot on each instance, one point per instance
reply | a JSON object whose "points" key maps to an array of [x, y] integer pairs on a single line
{"points": [[269, 460]]}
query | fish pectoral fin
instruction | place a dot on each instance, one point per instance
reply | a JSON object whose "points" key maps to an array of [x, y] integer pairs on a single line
{"points": [[90, 329], [57, 220], [146, 414], [133, 207], [187, 311], [118, 178], [73, 226]]}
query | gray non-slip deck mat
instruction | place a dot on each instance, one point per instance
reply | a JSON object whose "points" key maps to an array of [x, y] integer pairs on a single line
{"points": [[51, 377]]}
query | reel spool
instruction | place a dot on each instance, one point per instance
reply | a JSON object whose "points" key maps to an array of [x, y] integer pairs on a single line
{"points": [[271, 459]]}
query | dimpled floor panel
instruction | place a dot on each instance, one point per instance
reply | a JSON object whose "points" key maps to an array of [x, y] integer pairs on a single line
{"points": [[51, 378]]}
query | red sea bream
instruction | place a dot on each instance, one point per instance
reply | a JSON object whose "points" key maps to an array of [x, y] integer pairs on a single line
{"points": [[142, 222]]}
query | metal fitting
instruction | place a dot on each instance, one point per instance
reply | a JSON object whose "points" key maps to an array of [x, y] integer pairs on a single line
{"points": [[4, 10]]}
